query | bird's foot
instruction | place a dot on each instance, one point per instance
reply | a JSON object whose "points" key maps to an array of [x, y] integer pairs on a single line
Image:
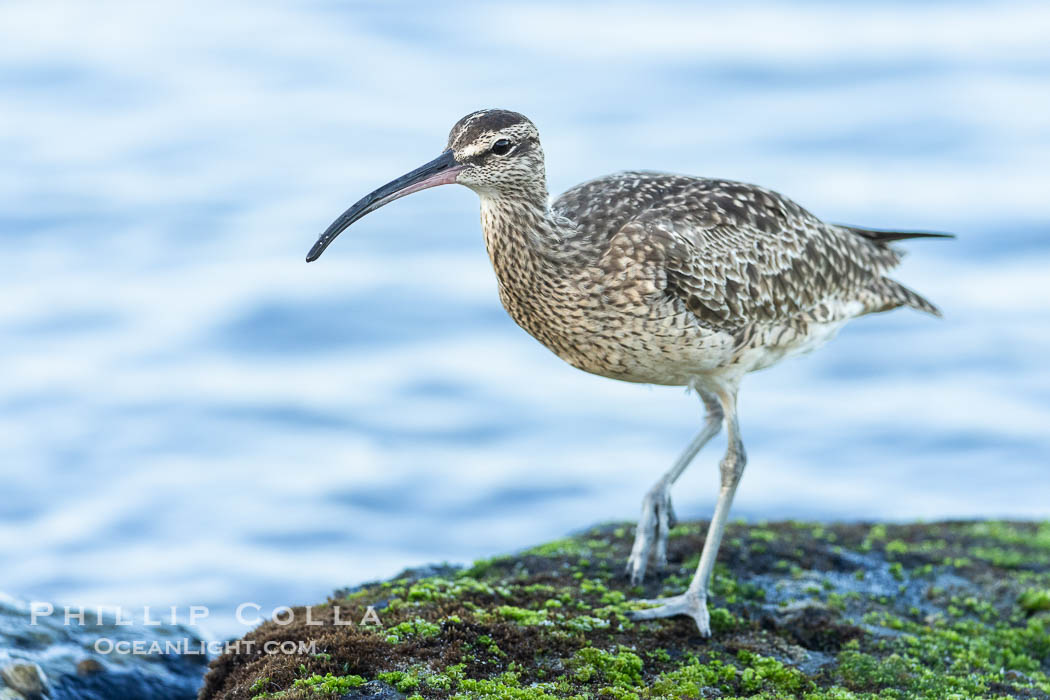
{"points": [[692, 604], [650, 539]]}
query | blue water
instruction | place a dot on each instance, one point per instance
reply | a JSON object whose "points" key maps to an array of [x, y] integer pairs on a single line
{"points": [[190, 414]]}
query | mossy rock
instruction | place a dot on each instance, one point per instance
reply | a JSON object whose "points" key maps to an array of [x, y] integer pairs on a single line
{"points": [[942, 610]]}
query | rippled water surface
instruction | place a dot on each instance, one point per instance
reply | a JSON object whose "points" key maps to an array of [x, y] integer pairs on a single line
{"points": [[190, 414]]}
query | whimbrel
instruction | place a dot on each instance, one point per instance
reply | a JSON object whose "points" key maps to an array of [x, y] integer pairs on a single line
{"points": [[661, 279]]}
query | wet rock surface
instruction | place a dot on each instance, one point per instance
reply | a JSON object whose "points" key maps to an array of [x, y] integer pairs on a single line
{"points": [[27, 679], [373, 690], [957, 609], [52, 659]]}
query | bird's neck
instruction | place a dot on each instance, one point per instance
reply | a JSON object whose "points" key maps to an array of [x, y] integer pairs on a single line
{"points": [[531, 250], [521, 230]]}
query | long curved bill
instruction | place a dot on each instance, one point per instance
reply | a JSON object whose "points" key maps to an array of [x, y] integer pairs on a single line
{"points": [[440, 171]]}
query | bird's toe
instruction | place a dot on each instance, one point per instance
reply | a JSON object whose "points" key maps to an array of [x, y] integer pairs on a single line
{"points": [[635, 570], [686, 604]]}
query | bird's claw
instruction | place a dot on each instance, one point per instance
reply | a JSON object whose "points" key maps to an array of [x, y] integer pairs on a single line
{"points": [[691, 604], [650, 538]]}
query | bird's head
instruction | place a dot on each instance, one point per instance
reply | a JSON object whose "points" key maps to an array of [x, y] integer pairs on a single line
{"points": [[495, 152], [500, 152]]}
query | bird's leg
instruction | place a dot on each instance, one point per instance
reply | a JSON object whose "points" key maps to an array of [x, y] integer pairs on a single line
{"points": [[657, 516], [694, 601]]}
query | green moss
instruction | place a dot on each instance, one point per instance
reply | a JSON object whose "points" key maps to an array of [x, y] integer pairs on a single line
{"points": [[683, 530], [418, 627], [259, 686], [402, 680], [486, 643], [762, 673], [329, 683], [659, 655], [439, 681], [569, 546], [521, 615], [1011, 534], [552, 622], [763, 535], [693, 678], [622, 668], [722, 620], [1035, 600], [501, 690], [584, 623], [864, 672], [952, 656]]}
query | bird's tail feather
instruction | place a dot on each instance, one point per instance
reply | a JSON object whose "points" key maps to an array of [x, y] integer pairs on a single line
{"points": [[896, 294], [889, 236]]}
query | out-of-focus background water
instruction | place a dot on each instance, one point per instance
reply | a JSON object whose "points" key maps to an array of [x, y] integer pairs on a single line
{"points": [[190, 414]]}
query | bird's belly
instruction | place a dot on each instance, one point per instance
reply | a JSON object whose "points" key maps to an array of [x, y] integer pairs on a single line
{"points": [[672, 364], [670, 349], [768, 345], [668, 346]]}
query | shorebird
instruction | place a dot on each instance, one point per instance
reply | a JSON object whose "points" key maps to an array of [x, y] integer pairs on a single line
{"points": [[660, 279]]}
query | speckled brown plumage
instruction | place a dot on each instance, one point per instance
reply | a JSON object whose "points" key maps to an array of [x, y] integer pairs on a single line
{"points": [[652, 277], [737, 253], [663, 279]]}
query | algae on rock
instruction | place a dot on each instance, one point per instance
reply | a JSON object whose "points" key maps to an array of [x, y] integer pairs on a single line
{"points": [[940, 610]]}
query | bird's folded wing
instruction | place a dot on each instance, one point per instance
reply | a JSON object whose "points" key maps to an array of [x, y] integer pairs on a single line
{"points": [[739, 254]]}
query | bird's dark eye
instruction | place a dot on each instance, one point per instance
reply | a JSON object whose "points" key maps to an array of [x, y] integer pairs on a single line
{"points": [[501, 147]]}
